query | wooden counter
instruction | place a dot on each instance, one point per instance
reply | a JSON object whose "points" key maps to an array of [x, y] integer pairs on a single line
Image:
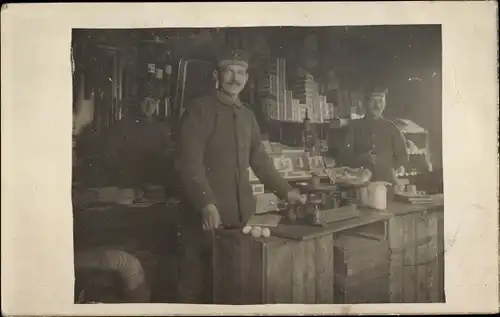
{"points": [[296, 264], [274, 270], [416, 242], [298, 269]]}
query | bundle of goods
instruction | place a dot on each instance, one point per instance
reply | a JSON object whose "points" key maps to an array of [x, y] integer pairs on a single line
{"points": [[408, 193], [416, 198], [350, 176]]}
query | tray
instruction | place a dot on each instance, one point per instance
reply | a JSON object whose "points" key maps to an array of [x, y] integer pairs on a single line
{"points": [[265, 220]]}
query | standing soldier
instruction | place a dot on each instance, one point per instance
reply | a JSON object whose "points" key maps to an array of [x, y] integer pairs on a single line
{"points": [[375, 142], [219, 140]]}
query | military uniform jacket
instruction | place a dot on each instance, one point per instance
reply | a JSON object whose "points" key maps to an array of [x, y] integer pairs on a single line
{"points": [[219, 140], [389, 142]]}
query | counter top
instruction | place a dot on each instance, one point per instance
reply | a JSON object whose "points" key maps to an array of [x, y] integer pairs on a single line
{"points": [[304, 232], [395, 208], [368, 216]]}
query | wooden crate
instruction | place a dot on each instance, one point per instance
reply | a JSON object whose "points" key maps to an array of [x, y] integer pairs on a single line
{"points": [[415, 261], [345, 277], [361, 253], [364, 291], [361, 270], [273, 270]]}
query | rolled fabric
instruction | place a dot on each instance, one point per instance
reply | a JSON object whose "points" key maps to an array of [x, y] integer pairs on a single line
{"points": [[125, 264]]}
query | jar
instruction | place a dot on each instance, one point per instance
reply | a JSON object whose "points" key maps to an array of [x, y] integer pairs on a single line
{"points": [[374, 195]]}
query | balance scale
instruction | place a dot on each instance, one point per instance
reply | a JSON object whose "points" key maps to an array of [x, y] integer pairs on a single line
{"points": [[311, 213]]}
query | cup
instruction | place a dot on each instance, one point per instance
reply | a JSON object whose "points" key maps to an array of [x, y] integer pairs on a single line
{"points": [[127, 196], [411, 189], [400, 188]]}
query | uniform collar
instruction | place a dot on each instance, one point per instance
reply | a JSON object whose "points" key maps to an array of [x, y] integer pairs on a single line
{"points": [[224, 99], [370, 118]]}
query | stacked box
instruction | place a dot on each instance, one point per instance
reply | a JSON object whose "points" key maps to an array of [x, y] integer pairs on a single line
{"points": [[281, 87], [288, 106], [321, 108], [303, 88], [267, 81], [302, 111], [327, 110], [331, 111], [315, 115], [295, 109], [257, 189]]}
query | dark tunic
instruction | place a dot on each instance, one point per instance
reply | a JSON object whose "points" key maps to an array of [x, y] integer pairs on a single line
{"points": [[219, 140], [389, 147]]}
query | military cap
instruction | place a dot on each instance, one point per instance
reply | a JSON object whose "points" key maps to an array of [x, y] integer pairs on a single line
{"points": [[379, 91], [230, 56]]}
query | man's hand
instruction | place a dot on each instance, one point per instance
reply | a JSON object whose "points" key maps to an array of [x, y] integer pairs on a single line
{"points": [[294, 197], [400, 170], [211, 217]]}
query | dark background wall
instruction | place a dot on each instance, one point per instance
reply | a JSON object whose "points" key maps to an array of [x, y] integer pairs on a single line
{"points": [[404, 58]]}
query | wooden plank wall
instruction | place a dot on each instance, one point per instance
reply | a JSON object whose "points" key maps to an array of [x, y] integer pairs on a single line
{"points": [[238, 264], [273, 271], [309, 278], [415, 265], [361, 270], [250, 271]]}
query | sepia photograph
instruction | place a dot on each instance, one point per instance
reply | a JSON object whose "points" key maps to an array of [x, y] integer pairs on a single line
{"points": [[258, 165], [328, 158]]}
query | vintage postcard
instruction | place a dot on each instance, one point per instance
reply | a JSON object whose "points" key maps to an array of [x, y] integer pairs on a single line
{"points": [[207, 140]]}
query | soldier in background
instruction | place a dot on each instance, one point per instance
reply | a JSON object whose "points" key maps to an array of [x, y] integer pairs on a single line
{"points": [[135, 147], [375, 143]]}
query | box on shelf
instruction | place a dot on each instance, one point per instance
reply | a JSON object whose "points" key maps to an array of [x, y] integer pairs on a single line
{"points": [[258, 189], [251, 175]]}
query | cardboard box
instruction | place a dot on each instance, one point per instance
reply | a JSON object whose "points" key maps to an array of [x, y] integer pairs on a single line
{"points": [[258, 189]]}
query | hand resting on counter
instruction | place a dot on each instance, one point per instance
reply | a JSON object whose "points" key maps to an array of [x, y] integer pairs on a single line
{"points": [[211, 217]]}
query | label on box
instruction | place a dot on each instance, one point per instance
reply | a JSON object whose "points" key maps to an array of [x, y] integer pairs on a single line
{"points": [[258, 189], [159, 73], [151, 68]]}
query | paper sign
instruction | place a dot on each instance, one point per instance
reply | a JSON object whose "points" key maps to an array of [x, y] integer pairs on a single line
{"points": [[159, 73]]}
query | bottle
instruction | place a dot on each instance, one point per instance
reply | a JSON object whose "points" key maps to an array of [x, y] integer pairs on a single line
{"points": [[317, 215]]}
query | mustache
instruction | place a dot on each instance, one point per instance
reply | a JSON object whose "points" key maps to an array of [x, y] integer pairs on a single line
{"points": [[235, 82]]}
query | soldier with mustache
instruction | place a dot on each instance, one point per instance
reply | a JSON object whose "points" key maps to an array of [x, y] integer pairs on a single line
{"points": [[374, 142], [219, 140]]}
